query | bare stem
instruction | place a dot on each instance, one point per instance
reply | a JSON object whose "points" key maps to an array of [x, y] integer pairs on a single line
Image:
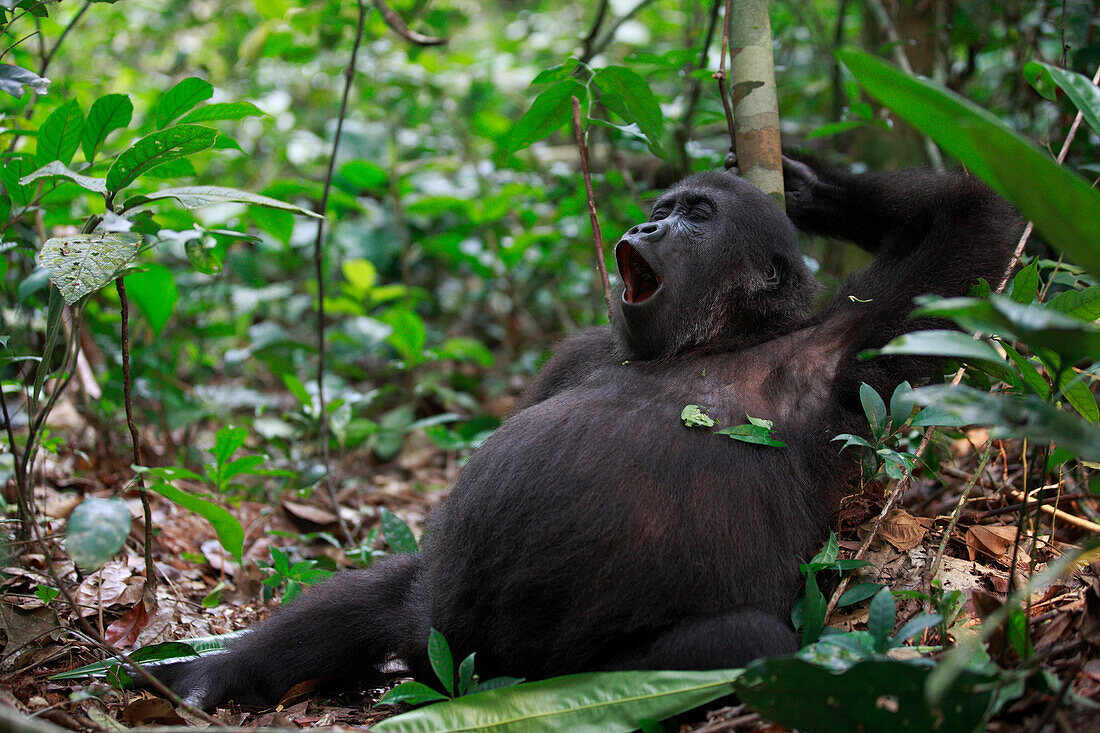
{"points": [[597, 233], [720, 75], [398, 26]]}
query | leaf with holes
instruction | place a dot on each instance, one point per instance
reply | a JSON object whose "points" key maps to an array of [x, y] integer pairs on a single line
{"points": [[155, 149], [59, 135], [84, 263], [108, 113]]}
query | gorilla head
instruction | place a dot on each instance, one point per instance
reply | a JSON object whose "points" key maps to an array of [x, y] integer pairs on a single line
{"points": [[717, 264]]}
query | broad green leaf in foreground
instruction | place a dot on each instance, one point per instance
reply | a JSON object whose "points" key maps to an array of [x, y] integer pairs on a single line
{"points": [[59, 135], [397, 533], [180, 98], [550, 110], [194, 197], [598, 702], [96, 530], [1062, 205], [626, 94], [155, 149], [153, 653], [223, 111], [1012, 417], [872, 696], [226, 526], [84, 263]]}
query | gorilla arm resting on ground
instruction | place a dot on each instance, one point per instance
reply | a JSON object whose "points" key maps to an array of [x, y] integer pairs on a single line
{"points": [[593, 530]]}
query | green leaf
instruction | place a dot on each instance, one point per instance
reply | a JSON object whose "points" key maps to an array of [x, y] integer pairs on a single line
{"points": [[1025, 285], [108, 113], [608, 702], [626, 94], [361, 276], [550, 110], [1027, 372], [396, 532], [1084, 305], [154, 293], [466, 348], [875, 696], [203, 258], [96, 530], [695, 416], [1011, 416], [194, 197], [443, 663], [953, 344], [813, 610], [857, 593], [556, 73], [900, 409], [225, 525], [56, 168], [759, 421], [408, 336], [828, 554], [1079, 88], [880, 619], [749, 433], [363, 175], [466, 674], [298, 390], [873, 407], [157, 148], [59, 135], [915, 626], [223, 111], [410, 693], [1062, 204], [180, 98], [84, 263], [1077, 393], [14, 168], [228, 440], [1017, 631]]}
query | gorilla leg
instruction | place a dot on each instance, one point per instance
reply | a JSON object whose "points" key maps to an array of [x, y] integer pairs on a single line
{"points": [[339, 632], [723, 641]]}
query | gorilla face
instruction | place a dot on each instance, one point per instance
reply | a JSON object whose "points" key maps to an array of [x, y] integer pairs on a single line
{"points": [[716, 264]]}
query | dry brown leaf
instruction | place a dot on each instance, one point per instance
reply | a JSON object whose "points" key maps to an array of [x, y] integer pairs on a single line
{"points": [[151, 710], [310, 513], [904, 531], [993, 541], [112, 583], [123, 632]]}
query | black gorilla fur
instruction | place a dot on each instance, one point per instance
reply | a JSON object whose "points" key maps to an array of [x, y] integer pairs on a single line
{"points": [[593, 530]]}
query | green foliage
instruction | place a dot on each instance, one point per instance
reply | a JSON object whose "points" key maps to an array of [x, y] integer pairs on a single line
{"points": [[292, 578], [96, 530], [695, 416], [397, 533]]}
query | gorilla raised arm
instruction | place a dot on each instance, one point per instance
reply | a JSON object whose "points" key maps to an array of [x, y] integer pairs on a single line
{"points": [[593, 530]]}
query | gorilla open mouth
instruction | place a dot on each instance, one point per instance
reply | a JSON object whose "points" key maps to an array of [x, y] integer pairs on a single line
{"points": [[639, 278]]}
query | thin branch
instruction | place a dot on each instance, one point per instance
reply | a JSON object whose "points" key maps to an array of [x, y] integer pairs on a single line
{"points": [[683, 130], [597, 22], [319, 269], [398, 26], [720, 75], [610, 35], [149, 590], [597, 233], [76, 18]]}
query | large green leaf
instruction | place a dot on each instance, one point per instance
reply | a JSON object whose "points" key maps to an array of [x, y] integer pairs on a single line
{"points": [[59, 135], [1012, 417], [872, 696], [550, 110], [13, 168], [598, 702], [952, 344], [1083, 305], [226, 527], [84, 263], [1062, 205], [96, 530], [108, 113], [194, 197], [155, 149], [1079, 88], [154, 293], [56, 168], [626, 94], [180, 98], [397, 534]]}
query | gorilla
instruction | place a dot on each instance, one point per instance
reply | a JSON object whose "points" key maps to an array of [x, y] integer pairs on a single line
{"points": [[595, 530]]}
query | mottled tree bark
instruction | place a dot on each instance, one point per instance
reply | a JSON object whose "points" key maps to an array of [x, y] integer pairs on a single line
{"points": [[753, 92]]}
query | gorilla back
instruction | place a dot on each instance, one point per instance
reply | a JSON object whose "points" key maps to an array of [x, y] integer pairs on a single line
{"points": [[594, 530]]}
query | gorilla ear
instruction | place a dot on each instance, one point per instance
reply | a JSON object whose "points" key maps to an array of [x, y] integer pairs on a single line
{"points": [[773, 275]]}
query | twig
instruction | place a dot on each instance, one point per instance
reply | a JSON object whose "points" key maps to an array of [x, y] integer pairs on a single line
{"points": [[60, 39], [720, 75], [683, 130], [883, 18], [610, 35], [1061, 159], [319, 268], [1058, 513], [398, 26], [982, 463], [149, 589], [597, 233], [601, 13]]}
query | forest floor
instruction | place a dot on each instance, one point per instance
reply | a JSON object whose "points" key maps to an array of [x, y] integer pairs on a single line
{"points": [[203, 591]]}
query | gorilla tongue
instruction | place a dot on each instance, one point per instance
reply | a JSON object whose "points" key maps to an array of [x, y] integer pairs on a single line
{"points": [[639, 278]]}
